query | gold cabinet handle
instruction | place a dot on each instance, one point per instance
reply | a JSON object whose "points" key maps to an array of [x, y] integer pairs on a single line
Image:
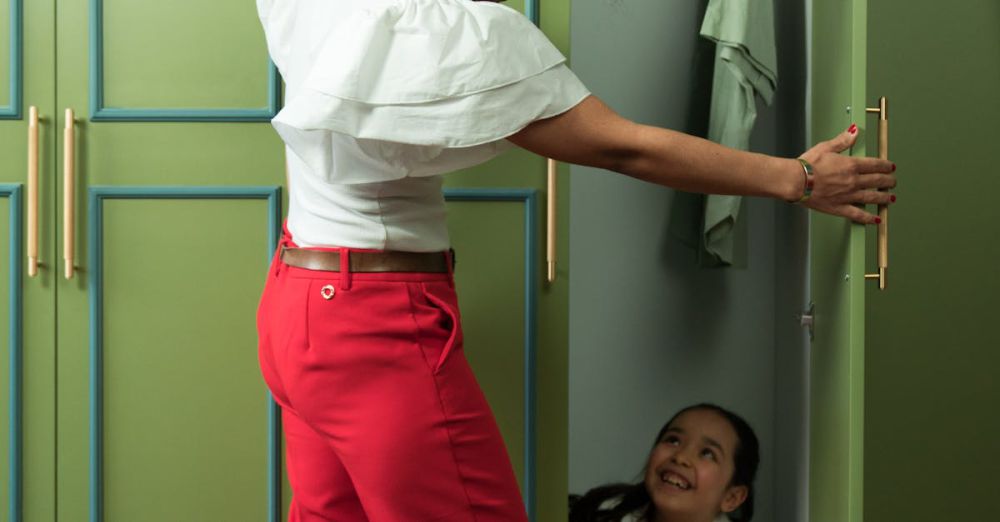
{"points": [[32, 191], [69, 193], [550, 242], [883, 210]]}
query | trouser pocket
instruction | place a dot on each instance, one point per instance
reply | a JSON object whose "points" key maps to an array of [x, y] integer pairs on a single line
{"points": [[446, 326]]}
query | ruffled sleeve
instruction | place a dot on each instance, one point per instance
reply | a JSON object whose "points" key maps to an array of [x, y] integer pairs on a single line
{"points": [[435, 74]]}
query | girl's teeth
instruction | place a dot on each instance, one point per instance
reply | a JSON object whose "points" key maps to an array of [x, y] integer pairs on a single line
{"points": [[670, 479]]}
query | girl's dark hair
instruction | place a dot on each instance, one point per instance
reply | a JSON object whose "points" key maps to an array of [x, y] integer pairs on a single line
{"points": [[634, 497]]}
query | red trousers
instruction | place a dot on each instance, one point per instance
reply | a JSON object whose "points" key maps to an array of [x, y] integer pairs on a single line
{"points": [[383, 418]]}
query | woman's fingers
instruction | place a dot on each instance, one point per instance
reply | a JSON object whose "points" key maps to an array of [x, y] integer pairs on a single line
{"points": [[835, 145], [843, 182], [840, 142], [848, 205], [857, 215], [872, 197], [836, 174], [843, 141], [876, 181], [874, 165]]}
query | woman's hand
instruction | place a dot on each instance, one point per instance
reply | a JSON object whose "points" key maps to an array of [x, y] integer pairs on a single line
{"points": [[841, 182]]}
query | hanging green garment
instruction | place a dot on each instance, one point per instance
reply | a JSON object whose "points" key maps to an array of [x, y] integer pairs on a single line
{"points": [[745, 67]]}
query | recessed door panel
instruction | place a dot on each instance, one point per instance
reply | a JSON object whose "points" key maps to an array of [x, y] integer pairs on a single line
{"points": [[491, 275], [178, 413], [180, 55]]}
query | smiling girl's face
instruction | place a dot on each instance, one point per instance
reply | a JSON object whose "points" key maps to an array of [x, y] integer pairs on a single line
{"points": [[689, 470]]}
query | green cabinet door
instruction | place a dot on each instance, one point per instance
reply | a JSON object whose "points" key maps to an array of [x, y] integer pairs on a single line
{"points": [[931, 366], [162, 414], [906, 372], [837, 255], [27, 304]]}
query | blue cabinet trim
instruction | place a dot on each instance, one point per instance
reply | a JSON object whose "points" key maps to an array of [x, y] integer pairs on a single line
{"points": [[12, 111], [531, 11], [15, 342]]}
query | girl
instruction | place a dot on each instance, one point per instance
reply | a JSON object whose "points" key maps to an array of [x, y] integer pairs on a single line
{"points": [[701, 469]]}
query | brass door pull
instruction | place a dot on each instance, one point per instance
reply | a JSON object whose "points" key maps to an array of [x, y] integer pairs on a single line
{"points": [[550, 242], [32, 191], [883, 210], [69, 193]]}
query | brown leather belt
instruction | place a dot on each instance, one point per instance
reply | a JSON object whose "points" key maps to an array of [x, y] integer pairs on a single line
{"points": [[389, 261]]}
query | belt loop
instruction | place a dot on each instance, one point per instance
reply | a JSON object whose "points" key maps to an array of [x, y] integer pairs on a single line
{"points": [[449, 260], [345, 268], [279, 261], [284, 242]]}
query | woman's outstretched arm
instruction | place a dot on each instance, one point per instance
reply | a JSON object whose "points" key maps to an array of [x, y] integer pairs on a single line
{"points": [[592, 134]]}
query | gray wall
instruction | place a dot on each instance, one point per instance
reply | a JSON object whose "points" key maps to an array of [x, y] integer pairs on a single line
{"points": [[650, 331]]}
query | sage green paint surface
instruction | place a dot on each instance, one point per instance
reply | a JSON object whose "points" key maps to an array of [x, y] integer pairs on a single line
{"points": [[184, 424], [837, 277], [179, 54], [490, 276], [932, 356], [39, 298]]}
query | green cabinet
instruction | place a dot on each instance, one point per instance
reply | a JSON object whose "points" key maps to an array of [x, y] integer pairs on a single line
{"points": [[931, 360], [27, 305], [901, 376], [135, 393]]}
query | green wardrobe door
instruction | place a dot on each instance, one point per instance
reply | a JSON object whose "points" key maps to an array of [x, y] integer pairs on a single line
{"points": [[162, 413], [27, 304], [932, 362], [837, 277], [516, 323]]}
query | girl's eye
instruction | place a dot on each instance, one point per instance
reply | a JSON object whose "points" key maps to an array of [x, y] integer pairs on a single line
{"points": [[708, 454], [671, 440]]}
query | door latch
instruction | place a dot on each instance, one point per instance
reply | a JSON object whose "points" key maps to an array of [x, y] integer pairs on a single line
{"points": [[807, 319]]}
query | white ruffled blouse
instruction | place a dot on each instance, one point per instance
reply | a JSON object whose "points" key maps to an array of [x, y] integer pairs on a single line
{"points": [[383, 96]]}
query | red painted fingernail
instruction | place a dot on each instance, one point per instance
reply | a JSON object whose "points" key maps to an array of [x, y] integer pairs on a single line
{"points": [[892, 198], [894, 167], [853, 128], [878, 220]]}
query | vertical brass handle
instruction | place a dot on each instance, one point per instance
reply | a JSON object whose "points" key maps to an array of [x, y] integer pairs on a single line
{"points": [[32, 191], [550, 242], [883, 210], [69, 193]]}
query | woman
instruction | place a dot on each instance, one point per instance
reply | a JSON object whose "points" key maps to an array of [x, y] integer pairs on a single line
{"points": [[701, 468], [360, 334]]}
